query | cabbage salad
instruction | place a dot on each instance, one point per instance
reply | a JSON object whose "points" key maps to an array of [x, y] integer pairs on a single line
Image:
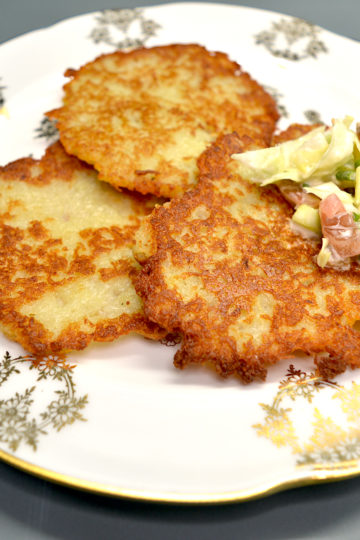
{"points": [[319, 175]]}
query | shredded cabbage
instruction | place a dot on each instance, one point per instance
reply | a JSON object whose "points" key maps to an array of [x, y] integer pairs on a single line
{"points": [[325, 162], [324, 254], [316, 155]]}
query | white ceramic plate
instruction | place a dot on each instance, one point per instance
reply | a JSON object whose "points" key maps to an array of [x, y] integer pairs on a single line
{"points": [[124, 421]]}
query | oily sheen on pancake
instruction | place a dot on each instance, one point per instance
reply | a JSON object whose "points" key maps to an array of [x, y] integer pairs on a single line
{"points": [[143, 117], [223, 267], [66, 263]]}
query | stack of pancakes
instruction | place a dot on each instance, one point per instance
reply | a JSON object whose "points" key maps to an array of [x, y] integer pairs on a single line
{"points": [[84, 260]]}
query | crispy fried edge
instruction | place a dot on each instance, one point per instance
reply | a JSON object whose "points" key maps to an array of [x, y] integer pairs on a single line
{"points": [[143, 182], [31, 334], [327, 358]]}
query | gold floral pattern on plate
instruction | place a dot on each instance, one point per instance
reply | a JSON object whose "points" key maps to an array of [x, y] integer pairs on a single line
{"points": [[130, 25], [18, 421], [2, 98], [3, 109], [47, 130], [331, 443], [292, 39]]}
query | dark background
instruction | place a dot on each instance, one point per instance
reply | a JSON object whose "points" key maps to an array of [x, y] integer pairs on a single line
{"points": [[34, 509], [20, 16]]}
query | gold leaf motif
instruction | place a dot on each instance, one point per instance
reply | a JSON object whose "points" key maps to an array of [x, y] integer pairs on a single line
{"points": [[17, 421], [114, 25], [293, 39], [326, 432], [329, 444], [350, 402], [277, 427]]}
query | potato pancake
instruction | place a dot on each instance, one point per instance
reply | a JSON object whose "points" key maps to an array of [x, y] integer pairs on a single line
{"points": [[143, 117], [223, 267], [66, 263]]}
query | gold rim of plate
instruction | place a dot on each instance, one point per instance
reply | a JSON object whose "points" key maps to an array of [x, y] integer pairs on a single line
{"points": [[320, 474]]}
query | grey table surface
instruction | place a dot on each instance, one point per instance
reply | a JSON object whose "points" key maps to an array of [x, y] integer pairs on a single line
{"points": [[31, 508]]}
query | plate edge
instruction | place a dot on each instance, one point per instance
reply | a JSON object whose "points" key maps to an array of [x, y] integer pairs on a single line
{"points": [[318, 476], [103, 489]]}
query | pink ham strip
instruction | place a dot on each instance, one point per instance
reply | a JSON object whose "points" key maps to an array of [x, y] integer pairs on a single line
{"points": [[295, 195], [339, 227]]}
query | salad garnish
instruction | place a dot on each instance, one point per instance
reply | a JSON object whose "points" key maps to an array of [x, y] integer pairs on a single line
{"points": [[319, 175]]}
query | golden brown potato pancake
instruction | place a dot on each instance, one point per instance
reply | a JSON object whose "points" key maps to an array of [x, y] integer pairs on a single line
{"points": [[66, 263], [143, 117], [223, 267], [292, 132]]}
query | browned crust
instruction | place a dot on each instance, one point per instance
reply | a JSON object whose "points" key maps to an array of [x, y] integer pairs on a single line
{"points": [[293, 132], [32, 263], [120, 155], [314, 310], [54, 164], [36, 339]]}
